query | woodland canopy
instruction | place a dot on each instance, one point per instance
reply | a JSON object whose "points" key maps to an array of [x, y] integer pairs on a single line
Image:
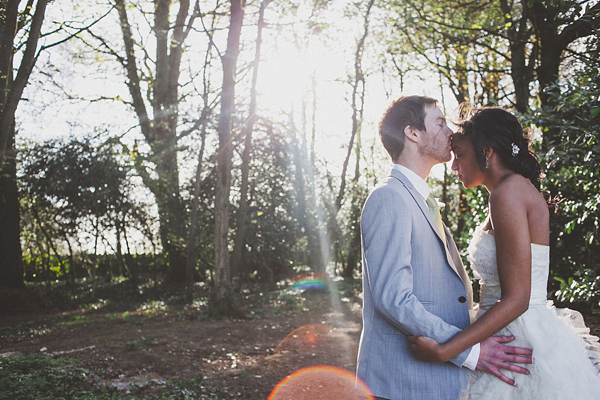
{"points": [[234, 142]]}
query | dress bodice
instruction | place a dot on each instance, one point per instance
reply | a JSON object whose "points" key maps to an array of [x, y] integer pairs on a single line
{"points": [[482, 256]]}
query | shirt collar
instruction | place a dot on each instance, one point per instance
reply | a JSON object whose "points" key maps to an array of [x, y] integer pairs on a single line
{"points": [[415, 179]]}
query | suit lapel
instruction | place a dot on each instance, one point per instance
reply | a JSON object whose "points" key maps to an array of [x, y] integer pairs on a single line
{"points": [[418, 199], [423, 206], [459, 267]]}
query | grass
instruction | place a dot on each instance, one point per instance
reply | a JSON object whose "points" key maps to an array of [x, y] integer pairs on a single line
{"points": [[41, 377]]}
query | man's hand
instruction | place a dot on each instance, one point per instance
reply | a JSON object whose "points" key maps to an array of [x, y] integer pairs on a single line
{"points": [[425, 349], [495, 355]]}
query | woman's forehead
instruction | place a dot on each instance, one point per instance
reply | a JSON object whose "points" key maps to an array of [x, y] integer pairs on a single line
{"points": [[459, 140]]}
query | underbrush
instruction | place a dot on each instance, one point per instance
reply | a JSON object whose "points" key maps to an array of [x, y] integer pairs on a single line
{"points": [[41, 377]]}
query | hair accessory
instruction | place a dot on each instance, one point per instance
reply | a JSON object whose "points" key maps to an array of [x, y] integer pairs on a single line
{"points": [[515, 149]]}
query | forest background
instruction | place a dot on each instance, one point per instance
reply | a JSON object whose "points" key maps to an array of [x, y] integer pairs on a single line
{"points": [[235, 142], [230, 145]]}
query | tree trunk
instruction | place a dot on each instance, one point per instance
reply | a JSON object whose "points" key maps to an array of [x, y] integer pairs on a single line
{"points": [[355, 245], [554, 37], [358, 100], [314, 257], [521, 65], [202, 123], [11, 263], [11, 91], [358, 88], [223, 299], [11, 259], [124, 264], [239, 242], [171, 214], [161, 133], [191, 241]]}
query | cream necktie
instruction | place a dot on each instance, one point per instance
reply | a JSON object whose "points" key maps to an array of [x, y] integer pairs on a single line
{"points": [[435, 213]]}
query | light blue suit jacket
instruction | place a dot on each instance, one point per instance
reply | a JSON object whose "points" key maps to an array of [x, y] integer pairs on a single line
{"points": [[409, 288]]}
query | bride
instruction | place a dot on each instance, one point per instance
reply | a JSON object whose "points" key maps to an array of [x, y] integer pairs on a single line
{"points": [[510, 254]]}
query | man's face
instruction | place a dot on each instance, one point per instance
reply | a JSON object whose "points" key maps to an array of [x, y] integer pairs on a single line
{"points": [[436, 139]]}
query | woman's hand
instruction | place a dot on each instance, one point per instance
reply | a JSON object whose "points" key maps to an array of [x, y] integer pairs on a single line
{"points": [[426, 349]]}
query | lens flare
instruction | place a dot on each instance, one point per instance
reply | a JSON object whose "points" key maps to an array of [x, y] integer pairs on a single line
{"points": [[309, 281], [321, 382], [306, 337]]}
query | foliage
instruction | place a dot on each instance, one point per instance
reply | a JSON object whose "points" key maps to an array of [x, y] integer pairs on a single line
{"points": [[80, 190], [465, 43], [573, 167], [41, 377], [491, 52], [463, 210], [274, 232], [205, 225], [72, 189], [38, 376]]}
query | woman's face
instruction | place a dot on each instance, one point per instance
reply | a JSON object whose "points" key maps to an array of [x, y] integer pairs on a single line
{"points": [[465, 163]]}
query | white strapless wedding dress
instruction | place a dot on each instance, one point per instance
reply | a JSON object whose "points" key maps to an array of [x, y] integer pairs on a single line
{"points": [[566, 358]]}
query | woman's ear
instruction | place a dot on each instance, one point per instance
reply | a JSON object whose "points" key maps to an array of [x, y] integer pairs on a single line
{"points": [[488, 151]]}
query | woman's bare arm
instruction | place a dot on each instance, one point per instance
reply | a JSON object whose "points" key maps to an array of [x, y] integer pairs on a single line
{"points": [[508, 211]]}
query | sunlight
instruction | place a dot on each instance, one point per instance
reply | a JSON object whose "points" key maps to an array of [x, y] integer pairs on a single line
{"points": [[286, 75], [295, 78]]}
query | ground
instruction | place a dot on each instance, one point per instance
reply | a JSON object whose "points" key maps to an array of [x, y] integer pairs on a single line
{"points": [[237, 358]]}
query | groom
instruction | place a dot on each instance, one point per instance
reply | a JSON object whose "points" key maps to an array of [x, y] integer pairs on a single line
{"points": [[414, 282]]}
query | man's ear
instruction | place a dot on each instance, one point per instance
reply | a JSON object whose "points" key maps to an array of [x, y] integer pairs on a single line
{"points": [[411, 133]]}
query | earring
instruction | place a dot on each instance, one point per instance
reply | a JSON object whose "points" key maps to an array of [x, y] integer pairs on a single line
{"points": [[487, 162]]}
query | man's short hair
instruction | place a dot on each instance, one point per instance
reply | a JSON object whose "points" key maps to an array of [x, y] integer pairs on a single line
{"points": [[405, 111]]}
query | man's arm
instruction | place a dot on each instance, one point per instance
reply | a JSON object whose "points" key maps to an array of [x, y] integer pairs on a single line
{"points": [[494, 355], [386, 228]]}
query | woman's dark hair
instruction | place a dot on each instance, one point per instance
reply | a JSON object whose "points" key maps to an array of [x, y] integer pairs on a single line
{"points": [[501, 131]]}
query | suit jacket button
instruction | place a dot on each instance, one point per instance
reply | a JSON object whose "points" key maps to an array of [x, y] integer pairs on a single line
{"points": [[462, 299]]}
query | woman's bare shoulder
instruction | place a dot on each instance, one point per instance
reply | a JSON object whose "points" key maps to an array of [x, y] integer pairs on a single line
{"points": [[516, 200], [516, 188]]}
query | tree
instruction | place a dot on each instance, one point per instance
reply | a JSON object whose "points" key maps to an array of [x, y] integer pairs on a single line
{"points": [[202, 122], [223, 304], [557, 25], [241, 215], [160, 128], [491, 41], [439, 35], [276, 239], [572, 165], [358, 195], [12, 21]]}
